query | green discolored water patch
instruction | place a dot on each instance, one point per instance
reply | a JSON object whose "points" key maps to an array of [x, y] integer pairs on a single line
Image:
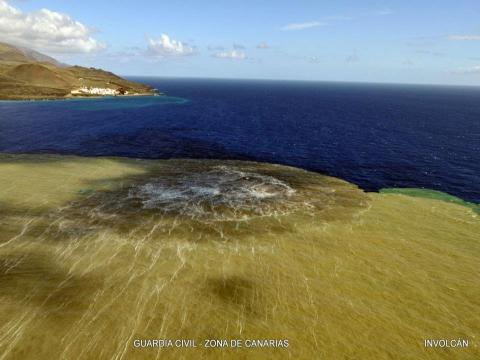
{"points": [[432, 194]]}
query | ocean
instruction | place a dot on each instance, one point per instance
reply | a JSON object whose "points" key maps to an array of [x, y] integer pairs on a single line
{"points": [[252, 212], [375, 136]]}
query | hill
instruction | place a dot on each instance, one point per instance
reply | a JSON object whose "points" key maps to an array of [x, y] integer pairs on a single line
{"points": [[27, 74], [38, 75]]}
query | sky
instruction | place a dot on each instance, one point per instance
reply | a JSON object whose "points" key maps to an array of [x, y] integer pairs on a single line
{"points": [[421, 41]]}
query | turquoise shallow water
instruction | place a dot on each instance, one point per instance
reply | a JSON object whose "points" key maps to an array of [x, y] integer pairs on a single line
{"points": [[104, 103], [128, 102]]}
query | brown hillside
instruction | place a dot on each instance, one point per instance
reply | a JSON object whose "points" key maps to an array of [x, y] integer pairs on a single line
{"points": [[37, 75], [27, 74], [11, 54]]}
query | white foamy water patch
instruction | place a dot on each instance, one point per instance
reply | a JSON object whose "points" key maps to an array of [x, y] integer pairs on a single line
{"points": [[221, 193]]}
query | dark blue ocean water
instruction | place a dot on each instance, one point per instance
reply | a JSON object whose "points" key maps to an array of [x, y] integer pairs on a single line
{"points": [[376, 136]]}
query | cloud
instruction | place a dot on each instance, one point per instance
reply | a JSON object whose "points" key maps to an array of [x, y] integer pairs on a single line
{"points": [[353, 58], [324, 21], [166, 47], [262, 45], [470, 70], [231, 55], [238, 46], [432, 53], [382, 12], [126, 54], [215, 48], [303, 26], [464, 37], [422, 42], [46, 31], [337, 18], [314, 59]]}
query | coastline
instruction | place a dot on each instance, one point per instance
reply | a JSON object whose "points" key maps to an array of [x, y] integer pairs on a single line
{"points": [[71, 97]]}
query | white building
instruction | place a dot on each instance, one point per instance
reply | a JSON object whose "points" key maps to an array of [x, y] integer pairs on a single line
{"points": [[95, 91]]}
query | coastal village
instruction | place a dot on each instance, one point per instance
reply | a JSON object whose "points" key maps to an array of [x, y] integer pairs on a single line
{"points": [[97, 91]]}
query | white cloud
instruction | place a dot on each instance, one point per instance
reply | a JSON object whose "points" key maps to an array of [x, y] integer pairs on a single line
{"points": [[262, 45], [430, 52], [326, 20], [232, 55], [383, 12], [302, 26], [215, 48], [46, 31], [464, 37], [470, 70], [337, 18], [314, 59], [353, 58], [166, 47]]}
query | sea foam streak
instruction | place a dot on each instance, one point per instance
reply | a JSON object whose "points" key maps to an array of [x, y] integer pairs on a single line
{"points": [[98, 252], [221, 193]]}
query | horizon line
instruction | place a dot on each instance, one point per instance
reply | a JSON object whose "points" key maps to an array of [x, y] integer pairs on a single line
{"points": [[359, 82]]}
